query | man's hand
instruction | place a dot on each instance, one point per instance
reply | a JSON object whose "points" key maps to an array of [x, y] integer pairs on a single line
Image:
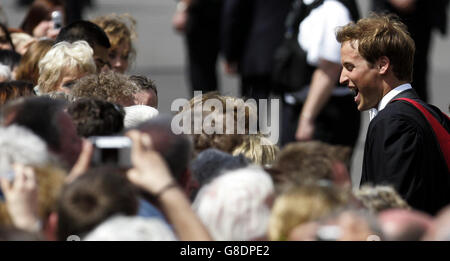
{"points": [[180, 17], [149, 170], [21, 198]]}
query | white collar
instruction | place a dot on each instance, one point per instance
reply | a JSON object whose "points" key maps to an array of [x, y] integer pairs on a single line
{"points": [[387, 98]]}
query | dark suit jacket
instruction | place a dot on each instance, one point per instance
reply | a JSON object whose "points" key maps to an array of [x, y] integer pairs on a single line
{"points": [[402, 150], [251, 31]]}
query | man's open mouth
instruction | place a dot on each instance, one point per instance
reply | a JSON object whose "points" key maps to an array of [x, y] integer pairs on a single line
{"points": [[354, 91]]}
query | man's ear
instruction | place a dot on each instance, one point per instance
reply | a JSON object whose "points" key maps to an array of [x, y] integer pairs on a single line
{"points": [[383, 64]]}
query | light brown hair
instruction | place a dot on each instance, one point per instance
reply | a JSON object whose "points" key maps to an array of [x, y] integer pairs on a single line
{"points": [[28, 69], [382, 35]]}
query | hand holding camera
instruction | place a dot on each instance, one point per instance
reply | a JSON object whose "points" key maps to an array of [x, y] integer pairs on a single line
{"points": [[150, 171]]}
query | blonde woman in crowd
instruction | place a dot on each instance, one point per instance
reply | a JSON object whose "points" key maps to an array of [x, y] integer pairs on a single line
{"points": [[63, 64]]}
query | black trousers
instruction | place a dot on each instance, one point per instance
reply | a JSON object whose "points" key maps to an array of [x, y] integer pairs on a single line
{"points": [[203, 45], [338, 123]]}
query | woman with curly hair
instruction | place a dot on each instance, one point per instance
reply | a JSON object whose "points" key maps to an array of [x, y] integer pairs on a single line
{"points": [[121, 33]]}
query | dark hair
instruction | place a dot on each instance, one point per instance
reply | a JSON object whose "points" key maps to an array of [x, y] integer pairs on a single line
{"points": [[92, 198], [7, 35], [84, 30], [38, 114], [144, 83], [10, 58], [175, 149], [94, 117], [15, 89], [211, 163]]}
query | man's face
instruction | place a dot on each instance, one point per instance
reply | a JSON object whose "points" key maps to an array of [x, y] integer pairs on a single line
{"points": [[360, 77], [101, 58]]}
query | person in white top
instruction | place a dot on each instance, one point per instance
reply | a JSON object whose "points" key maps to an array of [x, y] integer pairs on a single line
{"points": [[322, 110]]}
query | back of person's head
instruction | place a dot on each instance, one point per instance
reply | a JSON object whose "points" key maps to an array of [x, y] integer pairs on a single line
{"points": [[20, 145], [38, 114], [84, 30], [144, 83], [403, 224], [10, 58], [46, 118], [211, 163], [258, 149], [236, 205], [175, 149], [28, 69], [92, 198], [302, 204], [109, 86], [5, 38], [148, 93], [304, 161], [379, 198], [63, 59], [138, 114], [14, 89], [382, 35], [94, 117], [135, 228]]}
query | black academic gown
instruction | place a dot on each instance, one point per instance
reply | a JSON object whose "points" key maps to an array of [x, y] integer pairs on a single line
{"points": [[401, 150]]}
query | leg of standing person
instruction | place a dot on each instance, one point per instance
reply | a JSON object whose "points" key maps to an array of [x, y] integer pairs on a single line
{"points": [[202, 42]]}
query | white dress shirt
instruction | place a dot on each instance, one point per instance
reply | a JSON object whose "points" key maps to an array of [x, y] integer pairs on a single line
{"points": [[387, 98]]}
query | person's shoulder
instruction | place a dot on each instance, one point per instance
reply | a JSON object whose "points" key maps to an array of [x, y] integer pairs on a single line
{"points": [[400, 113]]}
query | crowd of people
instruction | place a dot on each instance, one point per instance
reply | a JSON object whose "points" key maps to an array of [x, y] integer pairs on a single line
{"points": [[63, 88]]}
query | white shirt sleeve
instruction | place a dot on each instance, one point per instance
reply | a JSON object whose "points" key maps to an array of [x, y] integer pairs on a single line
{"points": [[317, 34]]}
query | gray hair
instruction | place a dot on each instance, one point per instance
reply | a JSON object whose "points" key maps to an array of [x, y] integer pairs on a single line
{"points": [[20, 145], [137, 114], [131, 228], [234, 205]]}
